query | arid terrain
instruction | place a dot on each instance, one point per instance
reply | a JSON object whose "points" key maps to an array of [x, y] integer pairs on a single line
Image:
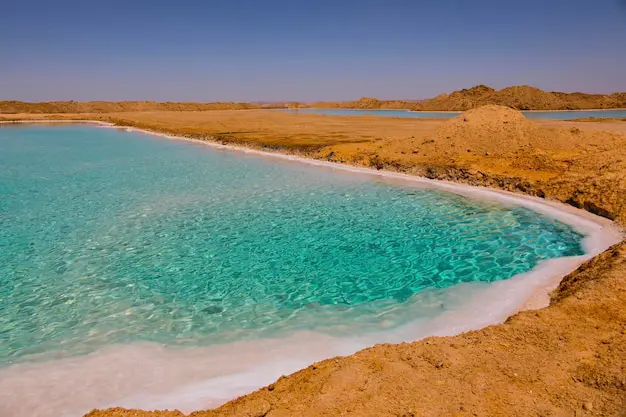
{"points": [[568, 359], [521, 97], [115, 106]]}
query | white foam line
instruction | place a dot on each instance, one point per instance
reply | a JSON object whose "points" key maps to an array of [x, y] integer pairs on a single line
{"points": [[149, 376]]}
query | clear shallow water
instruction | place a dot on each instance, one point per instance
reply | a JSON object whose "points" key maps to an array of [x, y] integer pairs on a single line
{"points": [[556, 115], [116, 237]]}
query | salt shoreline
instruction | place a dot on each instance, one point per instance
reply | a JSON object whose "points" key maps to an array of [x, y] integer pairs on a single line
{"points": [[537, 283]]}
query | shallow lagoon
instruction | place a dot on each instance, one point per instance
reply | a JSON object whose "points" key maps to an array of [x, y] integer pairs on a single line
{"points": [[115, 237]]}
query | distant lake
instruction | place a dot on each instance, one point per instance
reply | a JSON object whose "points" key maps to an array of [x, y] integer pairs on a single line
{"points": [[555, 115]]}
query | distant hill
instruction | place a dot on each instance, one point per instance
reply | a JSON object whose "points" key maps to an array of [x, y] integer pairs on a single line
{"points": [[523, 98], [518, 97], [119, 106], [367, 103]]}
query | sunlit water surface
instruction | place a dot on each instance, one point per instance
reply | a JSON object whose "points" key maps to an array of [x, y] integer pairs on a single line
{"points": [[109, 237]]}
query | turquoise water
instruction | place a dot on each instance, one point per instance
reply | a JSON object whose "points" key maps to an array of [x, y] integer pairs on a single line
{"points": [[116, 237], [556, 115]]}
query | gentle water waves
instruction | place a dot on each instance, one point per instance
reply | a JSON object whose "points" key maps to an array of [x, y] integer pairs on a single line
{"points": [[556, 115], [109, 237]]}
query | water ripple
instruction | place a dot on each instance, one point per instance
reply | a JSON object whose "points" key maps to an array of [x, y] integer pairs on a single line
{"points": [[111, 237]]}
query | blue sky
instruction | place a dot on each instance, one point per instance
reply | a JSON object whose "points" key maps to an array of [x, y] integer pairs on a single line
{"points": [[241, 50]]}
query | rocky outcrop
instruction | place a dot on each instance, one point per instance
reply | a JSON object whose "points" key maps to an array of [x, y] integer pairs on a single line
{"points": [[521, 97]]}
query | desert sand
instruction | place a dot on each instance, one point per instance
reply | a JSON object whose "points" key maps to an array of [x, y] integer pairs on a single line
{"points": [[566, 359]]}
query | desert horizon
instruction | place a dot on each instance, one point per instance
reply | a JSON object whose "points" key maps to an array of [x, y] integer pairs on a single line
{"points": [[519, 97]]}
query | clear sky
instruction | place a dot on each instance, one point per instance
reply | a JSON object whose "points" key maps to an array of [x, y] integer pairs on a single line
{"points": [[246, 50]]}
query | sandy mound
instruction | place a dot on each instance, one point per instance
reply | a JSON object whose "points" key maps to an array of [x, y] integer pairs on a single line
{"points": [[488, 129], [497, 130]]}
